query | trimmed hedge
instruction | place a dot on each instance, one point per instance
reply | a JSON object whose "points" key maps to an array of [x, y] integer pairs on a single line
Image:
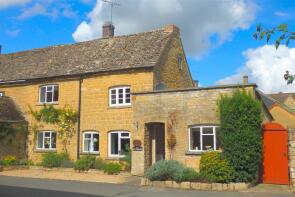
{"points": [[240, 134], [215, 168]]}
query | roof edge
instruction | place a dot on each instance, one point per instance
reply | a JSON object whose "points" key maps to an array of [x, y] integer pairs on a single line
{"points": [[197, 89]]}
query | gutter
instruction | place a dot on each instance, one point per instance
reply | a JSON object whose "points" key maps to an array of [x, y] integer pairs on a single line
{"points": [[79, 116]]}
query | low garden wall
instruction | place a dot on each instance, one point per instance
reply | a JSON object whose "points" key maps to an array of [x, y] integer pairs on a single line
{"points": [[197, 185]]}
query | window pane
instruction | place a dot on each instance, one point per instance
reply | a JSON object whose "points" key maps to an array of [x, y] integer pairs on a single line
{"points": [[87, 145], [42, 94], [113, 92], [87, 135], [46, 143], [40, 140], [195, 139], [127, 90], [208, 142], [207, 130], [53, 140], [114, 144], [55, 95], [125, 145], [49, 97], [49, 88], [95, 142], [47, 134], [125, 134]]}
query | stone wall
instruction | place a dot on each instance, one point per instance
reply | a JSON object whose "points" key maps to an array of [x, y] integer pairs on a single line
{"points": [[192, 107], [292, 157]]}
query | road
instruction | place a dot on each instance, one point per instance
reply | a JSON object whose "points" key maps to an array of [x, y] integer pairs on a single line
{"points": [[27, 187]]}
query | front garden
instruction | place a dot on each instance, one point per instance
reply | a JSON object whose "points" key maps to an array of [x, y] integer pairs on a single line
{"points": [[241, 143]]}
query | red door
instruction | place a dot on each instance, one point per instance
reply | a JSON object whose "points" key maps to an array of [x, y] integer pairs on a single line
{"points": [[275, 160]]}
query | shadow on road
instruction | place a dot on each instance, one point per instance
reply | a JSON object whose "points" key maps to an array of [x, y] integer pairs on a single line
{"points": [[10, 191]]}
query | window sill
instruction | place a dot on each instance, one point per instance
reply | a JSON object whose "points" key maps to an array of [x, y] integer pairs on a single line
{"points": [[194, 152], [120, 107], [89, 153], [114, 158], [46, 104], [45, 151]]}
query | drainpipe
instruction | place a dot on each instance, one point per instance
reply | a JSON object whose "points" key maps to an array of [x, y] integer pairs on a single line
{"points": [[79, 117]]}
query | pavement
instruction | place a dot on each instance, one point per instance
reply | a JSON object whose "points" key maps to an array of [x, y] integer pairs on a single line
{"points": [[31, 187]]}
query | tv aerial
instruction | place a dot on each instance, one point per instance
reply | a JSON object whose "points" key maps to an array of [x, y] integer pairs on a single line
{"points": [[112, 4]]}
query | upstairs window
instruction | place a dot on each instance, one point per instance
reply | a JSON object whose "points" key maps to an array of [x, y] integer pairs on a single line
{"points": [[91, 142], [48, 94], [203, 138], [46, 140], [120, 96], [180, 62]]}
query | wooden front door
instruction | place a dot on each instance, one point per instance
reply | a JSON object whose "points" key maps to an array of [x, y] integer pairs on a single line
{"points": [[275, 154]]}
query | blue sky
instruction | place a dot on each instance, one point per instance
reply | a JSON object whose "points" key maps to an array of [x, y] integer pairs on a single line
{"points": [[215, 55]]}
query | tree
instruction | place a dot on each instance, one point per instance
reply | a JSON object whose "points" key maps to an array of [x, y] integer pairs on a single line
{"points": [[240, 134], [284, 35]]}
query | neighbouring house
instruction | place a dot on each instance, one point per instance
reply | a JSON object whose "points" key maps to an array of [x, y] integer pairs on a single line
{"points": [[12, 141]]}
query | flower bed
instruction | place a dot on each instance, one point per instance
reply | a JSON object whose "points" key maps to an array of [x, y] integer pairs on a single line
{"points": [[197, 185]]}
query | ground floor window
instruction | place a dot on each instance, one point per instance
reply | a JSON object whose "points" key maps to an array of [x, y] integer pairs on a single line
{"points": [[91, 142], [119, 143], [46, 140], [203, 138]]}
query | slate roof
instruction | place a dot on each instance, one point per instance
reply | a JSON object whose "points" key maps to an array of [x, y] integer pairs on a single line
{"points": [[9, 112], [140, 50]]}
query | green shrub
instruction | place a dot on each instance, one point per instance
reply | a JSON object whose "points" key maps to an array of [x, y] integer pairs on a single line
{"points": [[112, 168], [171, 170], [25, 162], [240, 134], [85, 163], [99, 164], [127, 160], [52, 160], [188, 174], [215, 168], [9, 160]]}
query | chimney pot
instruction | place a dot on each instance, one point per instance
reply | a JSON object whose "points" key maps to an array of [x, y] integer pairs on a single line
{"points": [[245, 80], [196, 83], [171, 28], [108, 30]]}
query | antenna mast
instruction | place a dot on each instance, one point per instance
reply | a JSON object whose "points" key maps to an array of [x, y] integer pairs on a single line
{"points": [[112, 4]]}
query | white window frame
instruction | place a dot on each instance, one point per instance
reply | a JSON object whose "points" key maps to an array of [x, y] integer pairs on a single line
{"points": [[47, 91], [117, 96], [201, 137], [91, 142], [2, 94], [43, 140], [119, 142]]}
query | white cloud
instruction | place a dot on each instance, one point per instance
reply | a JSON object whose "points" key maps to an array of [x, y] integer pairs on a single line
{"points": [[266, 66], [281, 14], [12, 33], [37, 9], [9, 3], [198, 20]]}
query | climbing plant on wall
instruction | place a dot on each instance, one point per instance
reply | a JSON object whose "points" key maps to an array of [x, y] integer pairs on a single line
{"points": [[9, 129], [64, 118], [171, 126]]}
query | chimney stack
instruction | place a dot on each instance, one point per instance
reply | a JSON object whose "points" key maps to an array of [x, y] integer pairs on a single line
{"points": [[245, 80], [196, 83], [171, 29], [108, 30]]}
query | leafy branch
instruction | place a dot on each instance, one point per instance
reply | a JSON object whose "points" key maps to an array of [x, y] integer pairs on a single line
{"points": [[284, 34]]}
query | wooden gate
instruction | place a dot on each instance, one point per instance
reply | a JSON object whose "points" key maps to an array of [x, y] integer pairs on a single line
{"points": [[275, 154]]}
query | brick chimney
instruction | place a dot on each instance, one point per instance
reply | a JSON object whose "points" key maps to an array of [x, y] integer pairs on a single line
{"points": [[245, 80], [108, 30], [171, 28]]}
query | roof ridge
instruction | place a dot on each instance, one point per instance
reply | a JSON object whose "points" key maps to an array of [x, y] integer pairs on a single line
{"points": [[82, 42]]}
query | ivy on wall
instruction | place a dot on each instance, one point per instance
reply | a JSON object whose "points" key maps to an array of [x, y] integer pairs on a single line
{"points": [[64, 119]]}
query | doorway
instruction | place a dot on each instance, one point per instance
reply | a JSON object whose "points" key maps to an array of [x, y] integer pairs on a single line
{"points": [[156, 142]]}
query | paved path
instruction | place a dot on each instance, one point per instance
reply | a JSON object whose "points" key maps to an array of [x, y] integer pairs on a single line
{"points": [[28, 187]]}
